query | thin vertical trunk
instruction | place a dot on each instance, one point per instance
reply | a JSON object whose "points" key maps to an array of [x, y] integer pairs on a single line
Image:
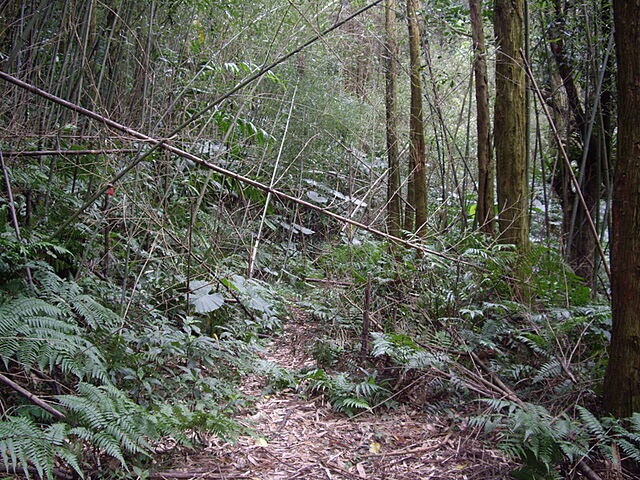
{"points": [[417, 149], [394, 215], [510, 127], [484, 211], [593, 132], [622, 379]]}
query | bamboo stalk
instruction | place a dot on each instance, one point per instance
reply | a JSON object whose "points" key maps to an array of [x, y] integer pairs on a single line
{"points": [[574, 180], [41, 153], [161, 143]]}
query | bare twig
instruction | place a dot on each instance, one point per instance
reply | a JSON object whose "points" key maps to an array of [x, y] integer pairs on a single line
{"points": [[12, 213], [31, 397], [161, 143]]}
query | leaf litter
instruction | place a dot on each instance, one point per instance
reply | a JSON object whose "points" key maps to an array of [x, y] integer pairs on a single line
{"points": [[294, 437]]}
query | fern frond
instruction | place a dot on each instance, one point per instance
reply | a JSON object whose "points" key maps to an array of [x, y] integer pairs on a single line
{"points": [[106, 418], [630, 449], [23, 444], [93, 313], [593, 424], [34, 332], [349, 405], [551, 369]]}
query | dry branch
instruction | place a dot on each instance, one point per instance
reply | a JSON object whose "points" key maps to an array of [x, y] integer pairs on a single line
{"points": [[565, 157], [31, 397], [162, 143], [42, 153]]}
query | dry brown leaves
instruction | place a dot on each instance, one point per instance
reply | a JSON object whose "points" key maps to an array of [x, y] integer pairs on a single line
{"points": [[296, 438]]}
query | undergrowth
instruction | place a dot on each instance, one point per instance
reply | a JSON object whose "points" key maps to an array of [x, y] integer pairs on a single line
{"points": [[439, 330], [122, 373], [81, 383]]}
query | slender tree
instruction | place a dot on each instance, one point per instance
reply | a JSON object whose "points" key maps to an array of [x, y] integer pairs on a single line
{"points": [[417, 198], [510, 124], [622, 379], [588, 129], [394, 212], [484, 211]]}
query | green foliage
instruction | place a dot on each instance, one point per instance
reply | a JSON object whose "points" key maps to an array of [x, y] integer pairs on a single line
{"points": [[278, 378], [608, 432], [346, 395], [173, 373], [552, 282], [547, 443], [107, 420], [531, 434], [404, 351], [362, 261], [24, 443], [179, 419], [40, 335]]}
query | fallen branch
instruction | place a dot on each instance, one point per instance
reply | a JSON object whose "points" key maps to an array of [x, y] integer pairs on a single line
{"points": [[31, 397], [190, 476], [403, 451], [162, 143], [42, 153]]}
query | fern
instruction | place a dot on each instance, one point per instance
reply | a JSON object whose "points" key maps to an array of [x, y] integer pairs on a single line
{"points": [[25, 444], [551, 369], [533, 435], [36, 334], [105, 418], [625, 433], [344, 394], [178, 418]]}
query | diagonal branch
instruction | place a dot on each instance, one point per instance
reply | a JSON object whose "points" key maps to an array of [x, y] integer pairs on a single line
{"points": [[31, 397], [574, 180], [161, 143]]}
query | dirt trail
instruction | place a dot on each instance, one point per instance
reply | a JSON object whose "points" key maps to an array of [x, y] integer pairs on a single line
{"points": [[297, 438]]}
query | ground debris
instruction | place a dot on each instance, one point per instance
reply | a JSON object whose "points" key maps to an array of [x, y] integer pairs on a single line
{"points": [[298, 438]]}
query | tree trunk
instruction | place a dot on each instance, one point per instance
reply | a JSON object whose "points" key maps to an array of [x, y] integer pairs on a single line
{"points": [[622, 379], [484, 211], [417, 149], [510, 130], [579, 242], [394, 215]]}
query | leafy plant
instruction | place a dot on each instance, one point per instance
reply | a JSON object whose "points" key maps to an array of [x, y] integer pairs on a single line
{"points": [[547, 444], [25, 444], [107, 420], [346, 395], [531, 434]]}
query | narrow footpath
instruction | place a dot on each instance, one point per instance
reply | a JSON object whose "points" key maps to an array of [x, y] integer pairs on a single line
{"points": [[297, 438]]}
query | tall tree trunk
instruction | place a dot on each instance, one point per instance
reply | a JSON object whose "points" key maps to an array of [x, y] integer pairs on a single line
{"points": [[580, 244], [510, 130], [394, 215], [622, 379], [484, 211], [417, 149]]}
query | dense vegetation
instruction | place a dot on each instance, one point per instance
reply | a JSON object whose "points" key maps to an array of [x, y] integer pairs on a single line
{"points": [[181, 178]]}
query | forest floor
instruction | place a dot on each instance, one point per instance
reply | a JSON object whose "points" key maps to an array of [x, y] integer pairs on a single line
{"points": [[294, 437]]}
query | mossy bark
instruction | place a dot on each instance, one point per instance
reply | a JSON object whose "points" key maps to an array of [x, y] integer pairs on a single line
{"points": [[622, 379]]}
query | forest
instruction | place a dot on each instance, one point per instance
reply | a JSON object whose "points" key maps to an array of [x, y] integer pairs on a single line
{"points": [[319, 239]]}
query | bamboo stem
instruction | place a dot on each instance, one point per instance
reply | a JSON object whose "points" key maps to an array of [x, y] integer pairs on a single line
{"points": [[161, 143], [574, 180]]}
